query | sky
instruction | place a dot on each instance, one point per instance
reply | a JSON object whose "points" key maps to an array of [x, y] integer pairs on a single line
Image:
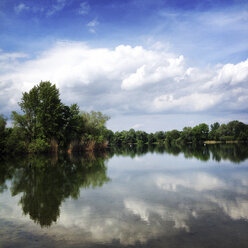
{"points": [[148, 64]]}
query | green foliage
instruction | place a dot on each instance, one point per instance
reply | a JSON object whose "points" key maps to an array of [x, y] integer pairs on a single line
{"points": [[42, 111], [151, 138], [159, 136], [2, 133], [200, 132], [94, 122], [15, 141], [213, 134], [172, 136], [234, 130], [38, 145], [187, 135]]}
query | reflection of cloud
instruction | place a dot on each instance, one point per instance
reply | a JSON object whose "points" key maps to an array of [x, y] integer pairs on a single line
{"points": [[9, 208], [146, 207], [198, 181], [145, 211], [236, 209]]}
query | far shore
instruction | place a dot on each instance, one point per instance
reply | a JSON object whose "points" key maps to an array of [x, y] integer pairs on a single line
{"points": [[222, 142]]}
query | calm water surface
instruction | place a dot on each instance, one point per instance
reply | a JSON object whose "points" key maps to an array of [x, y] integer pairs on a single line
{"points": [[129, 197]]}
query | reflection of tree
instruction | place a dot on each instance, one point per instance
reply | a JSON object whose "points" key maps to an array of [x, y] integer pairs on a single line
{"points": [[130, 150], [45, 185], [46, 181], [6, 173], [233, 152], [200, 152]]}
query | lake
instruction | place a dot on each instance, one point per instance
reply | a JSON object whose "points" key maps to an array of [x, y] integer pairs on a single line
{"points": [[191, 196]]}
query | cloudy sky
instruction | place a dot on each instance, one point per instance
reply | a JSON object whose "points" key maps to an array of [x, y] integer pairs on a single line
{"points": [[149, 64]]}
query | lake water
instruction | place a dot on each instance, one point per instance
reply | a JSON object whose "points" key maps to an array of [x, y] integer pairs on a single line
{"points": [[128, 197]]}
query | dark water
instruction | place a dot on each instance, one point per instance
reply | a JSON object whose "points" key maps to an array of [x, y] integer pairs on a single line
{"points": [[128, 197]]}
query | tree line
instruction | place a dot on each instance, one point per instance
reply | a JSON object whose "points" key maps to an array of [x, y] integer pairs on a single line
{"points": [[48, 125], [232, 131]]}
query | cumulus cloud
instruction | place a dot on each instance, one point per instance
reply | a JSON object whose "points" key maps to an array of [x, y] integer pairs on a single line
{"points": [[156, 71], [124, 79], [193, 103], [230, 74]]}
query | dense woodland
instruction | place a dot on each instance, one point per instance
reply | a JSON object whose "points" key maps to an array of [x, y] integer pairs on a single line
{"points": [[48, 125]]}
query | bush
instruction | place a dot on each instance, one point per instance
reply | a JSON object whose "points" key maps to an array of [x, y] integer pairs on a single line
{"points": [[38, 146], [15, 141]]}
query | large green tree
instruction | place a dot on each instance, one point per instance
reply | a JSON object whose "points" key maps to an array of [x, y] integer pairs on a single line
{"points": [[46, 117]]}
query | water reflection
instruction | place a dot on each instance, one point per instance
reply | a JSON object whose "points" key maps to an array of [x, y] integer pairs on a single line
{"points": [[236, 153], [45, 182], [132, 199]]}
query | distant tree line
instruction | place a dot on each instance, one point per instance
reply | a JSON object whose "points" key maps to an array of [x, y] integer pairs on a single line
{"points": [[233, 131], [48, 125]]}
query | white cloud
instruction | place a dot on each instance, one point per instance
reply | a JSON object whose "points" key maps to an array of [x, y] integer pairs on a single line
{"points": [[92, 25], [21, 7], [60, 4], [230, 74], [84, 8], [154, 72], [194, 102], [124, 79], [136, 126], [11, 56]]}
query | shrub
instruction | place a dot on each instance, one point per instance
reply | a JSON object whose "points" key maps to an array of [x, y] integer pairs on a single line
{"points": [[38, 146]]}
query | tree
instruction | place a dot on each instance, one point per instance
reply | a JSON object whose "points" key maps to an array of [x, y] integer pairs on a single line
{"points": [[141, 137], [46, 118], [43, 112], [151, 138], [2, 133], [172, 136], [200, 132], [159, 136], [213, 133], [130, 136], [187, 134], [235, 128], [94, 122]]}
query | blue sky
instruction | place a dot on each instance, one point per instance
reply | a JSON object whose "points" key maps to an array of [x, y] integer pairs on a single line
{"points": [[148, 64]]}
